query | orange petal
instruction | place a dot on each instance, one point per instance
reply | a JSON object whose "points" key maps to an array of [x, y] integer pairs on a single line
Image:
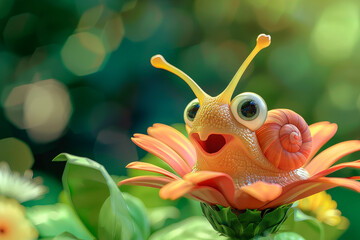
{"points": [[342, 182], [147, 181], [151, 168], [321, 133], [303, 189], [176, 189], [242, 200], [329, 156], [184, 188], [162, 151], [354, 177], [217, 180], [294, 192], [210, 196], [175, 140], [355, 164], [263, 191]]}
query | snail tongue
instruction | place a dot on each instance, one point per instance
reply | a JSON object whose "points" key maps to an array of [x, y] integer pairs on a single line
{"points": [[213, 144]]}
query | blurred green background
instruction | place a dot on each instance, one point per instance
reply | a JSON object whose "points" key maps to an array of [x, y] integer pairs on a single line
{"points": [[75, 75]]}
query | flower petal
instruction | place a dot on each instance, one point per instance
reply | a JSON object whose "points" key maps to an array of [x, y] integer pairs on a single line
{"points": [[151, 168], [303, 189], [321, 132], [354, 177], [175, 140], [342, 182], [293, 192], [335, 168], [243, 200], [329, 156], [210, 196], [221, 182], [217, 180], [176, 189], [182, 188], [162, 151], [147, 181], [263, 191]]}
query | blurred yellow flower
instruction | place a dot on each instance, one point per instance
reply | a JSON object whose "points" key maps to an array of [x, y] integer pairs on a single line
{"points": [[13, 224], [322, 207]]}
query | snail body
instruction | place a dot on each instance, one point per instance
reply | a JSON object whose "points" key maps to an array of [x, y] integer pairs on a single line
{"points": [[239, 137]]}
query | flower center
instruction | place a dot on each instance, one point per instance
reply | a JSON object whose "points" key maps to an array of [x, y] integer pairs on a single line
{"points": [[3, 230]]}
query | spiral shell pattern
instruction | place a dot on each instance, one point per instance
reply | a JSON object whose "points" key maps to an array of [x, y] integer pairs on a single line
{"points": [[285, 139]]}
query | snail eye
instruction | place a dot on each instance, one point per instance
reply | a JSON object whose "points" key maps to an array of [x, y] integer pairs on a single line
{"points": [[249, 109], [190, 111]]}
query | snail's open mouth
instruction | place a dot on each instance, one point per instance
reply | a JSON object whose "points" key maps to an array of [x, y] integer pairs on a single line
{"points": [[213, 144]]}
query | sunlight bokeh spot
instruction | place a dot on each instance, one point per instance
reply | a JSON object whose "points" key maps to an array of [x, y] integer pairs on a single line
{"points": [[216, 14], [42, 108], [14, 104], [90, 18], [143, 23], [274, 15], [113, 32], [47, 109], [83, 53], [20, 30], [336, 32]]}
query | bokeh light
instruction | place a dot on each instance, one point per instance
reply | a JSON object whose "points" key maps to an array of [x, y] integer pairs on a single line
{"points": [[337, 31], [42, 108], [83, 53]]}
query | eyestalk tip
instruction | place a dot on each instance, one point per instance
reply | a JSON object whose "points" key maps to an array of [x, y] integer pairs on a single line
{"points": [[263, 41], [158, 61]]}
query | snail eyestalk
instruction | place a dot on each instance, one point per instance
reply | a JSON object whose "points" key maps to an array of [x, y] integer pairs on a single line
{"points": [[262, 41], [158, 61]]}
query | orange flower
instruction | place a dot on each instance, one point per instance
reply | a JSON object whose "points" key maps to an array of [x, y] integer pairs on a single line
{"points": [[218, 188]]}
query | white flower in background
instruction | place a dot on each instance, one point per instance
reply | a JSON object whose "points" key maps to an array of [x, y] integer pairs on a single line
{"points": [[21, 187], [13, 224]]}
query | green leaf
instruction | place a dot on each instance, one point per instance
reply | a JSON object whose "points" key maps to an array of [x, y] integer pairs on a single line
{"points": [[288, 236], [334, 232], [158, 216], [51, 220], [88, 185], [280, 236], [109, 221], [66, 236], [306, 226], [139, 215], [17, 154], [189, 229]]}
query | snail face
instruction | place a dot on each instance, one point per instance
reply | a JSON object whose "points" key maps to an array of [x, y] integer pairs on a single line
{"points": [[224, 131]]}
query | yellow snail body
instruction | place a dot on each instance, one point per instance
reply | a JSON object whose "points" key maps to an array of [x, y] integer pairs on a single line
{"points": [[240, 137]]}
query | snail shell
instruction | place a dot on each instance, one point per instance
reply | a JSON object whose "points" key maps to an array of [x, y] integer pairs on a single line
{"points": [[285, 139]]}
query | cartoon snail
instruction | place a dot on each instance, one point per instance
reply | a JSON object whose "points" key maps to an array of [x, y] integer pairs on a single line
{"points": [[240, 136]]}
